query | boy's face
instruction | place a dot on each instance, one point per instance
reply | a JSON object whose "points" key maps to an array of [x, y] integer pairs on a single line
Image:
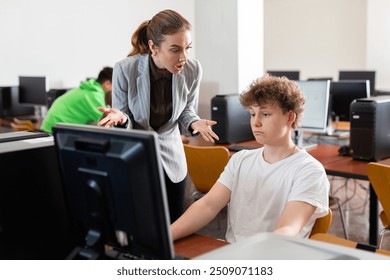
{"points": [[269, 125]]}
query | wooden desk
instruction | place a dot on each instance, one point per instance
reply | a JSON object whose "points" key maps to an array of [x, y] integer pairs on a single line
{"points": [[195, 245], [357, 169], [20, 124]]}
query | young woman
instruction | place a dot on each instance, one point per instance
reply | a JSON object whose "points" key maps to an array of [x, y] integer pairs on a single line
{"points": [[156, 88]]}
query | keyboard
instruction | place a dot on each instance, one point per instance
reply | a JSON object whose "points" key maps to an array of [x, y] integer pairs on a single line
{"points": [[340, 133], [236, 148], [21, 135]]}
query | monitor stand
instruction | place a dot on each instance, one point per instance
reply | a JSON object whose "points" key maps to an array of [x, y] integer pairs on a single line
{"points": [[300, 142], [332, 128], [40, 111]]}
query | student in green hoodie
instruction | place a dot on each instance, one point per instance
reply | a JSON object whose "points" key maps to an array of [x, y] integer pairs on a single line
{"points": [[79, 105]]}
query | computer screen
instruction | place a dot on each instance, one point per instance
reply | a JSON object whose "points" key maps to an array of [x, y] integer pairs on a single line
{"points": [[315, 115], [115, 191], [316, 111], [343, 93], [292, 75], [359, 75], [33, 90]]}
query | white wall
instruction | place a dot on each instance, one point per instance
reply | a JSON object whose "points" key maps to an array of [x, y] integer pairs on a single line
{"points": [[314, 36], [322, 37], [378, 41], [71, 40], [229, 46]]}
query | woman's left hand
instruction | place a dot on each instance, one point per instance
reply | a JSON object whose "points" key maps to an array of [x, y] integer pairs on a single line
{"points": [[204, 128], [111, 117]]}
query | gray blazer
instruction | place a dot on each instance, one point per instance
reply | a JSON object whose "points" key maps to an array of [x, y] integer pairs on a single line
{"points": [[131, 95]]}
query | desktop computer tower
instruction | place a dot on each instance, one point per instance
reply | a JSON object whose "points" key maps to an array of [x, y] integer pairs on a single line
{"points": [[233, 120], [53, 94], [370, 128]]}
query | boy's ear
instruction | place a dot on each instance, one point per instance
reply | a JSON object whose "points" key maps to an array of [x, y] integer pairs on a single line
{"points": [[291, 117]]}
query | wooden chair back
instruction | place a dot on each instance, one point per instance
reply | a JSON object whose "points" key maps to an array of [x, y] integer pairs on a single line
{"points": [[379, 176], [322, 224], [205, 164]]}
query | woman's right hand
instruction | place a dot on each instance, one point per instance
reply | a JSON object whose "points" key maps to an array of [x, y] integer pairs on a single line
{"points": [[111, 117]]}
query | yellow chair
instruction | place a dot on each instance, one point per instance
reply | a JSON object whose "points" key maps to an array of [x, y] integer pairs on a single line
{"points": [[205, 164], [21, 125], [322, 225], [324, 237], [379, 176]]}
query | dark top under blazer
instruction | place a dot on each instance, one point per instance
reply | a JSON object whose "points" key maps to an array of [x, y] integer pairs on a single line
{"points": [[131, 95]]}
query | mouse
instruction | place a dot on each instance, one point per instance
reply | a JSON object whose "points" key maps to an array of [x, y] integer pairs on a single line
{"points": [[345, 151]]}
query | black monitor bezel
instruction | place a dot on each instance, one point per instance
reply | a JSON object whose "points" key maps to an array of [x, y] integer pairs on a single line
{"points": [[123, 196], [341, 90], [360, 75], [289, 74], [33, 90]]}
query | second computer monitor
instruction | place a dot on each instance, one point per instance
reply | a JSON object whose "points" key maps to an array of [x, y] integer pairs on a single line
{"points": [[33, 90], [359, 75], [316, 112], [292, 75], [343, 93]]}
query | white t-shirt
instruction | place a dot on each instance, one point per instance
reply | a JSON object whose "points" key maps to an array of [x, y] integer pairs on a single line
{"points": [[260, 191]]}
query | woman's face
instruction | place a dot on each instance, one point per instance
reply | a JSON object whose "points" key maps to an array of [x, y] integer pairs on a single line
{"points": [[172, 54]]}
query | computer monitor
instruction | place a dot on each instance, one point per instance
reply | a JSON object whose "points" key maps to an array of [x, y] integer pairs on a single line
{"points": [[115, 191], [316, 112], [33, 91], [343, 93], [359, 75], [292, 75], [9, 103], [320, 78]]}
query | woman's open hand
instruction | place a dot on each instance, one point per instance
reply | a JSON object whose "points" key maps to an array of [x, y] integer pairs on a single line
{"points": [[204, 128], [111, 117]]}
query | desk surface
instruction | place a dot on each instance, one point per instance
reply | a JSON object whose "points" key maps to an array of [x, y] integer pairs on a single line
{"points": [[195, 245], [6, 123]]}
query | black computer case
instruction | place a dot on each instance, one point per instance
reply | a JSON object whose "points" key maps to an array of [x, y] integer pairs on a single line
{"points": [[233, 120], [53, 94], [370, 128]]}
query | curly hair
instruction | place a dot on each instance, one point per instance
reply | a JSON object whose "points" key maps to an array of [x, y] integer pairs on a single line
{"points": [[275, 90]]}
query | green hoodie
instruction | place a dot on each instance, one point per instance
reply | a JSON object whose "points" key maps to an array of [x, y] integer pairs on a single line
{"points": [[78, 106]]}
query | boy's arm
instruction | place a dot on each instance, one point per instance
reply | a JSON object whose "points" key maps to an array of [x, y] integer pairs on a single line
{"points": [[201, 212], [294, 217]]}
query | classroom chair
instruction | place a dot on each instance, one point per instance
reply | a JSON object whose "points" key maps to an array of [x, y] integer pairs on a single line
{"points": [[379, 176], [21, 125], [322, 225], [324, 237], [205, 164]]}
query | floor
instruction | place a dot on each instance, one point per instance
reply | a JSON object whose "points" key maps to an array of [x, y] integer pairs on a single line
{"points": [[353, 199]]}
